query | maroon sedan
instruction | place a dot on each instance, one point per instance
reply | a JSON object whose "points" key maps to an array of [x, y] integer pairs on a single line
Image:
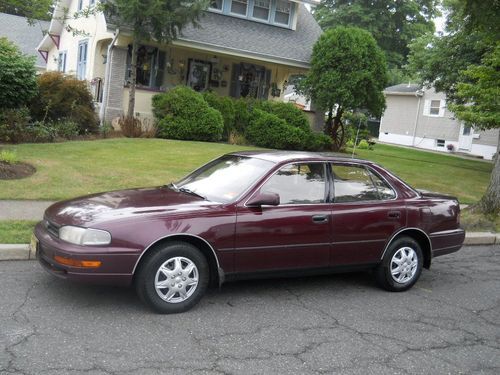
{"points": [[250, 214]]}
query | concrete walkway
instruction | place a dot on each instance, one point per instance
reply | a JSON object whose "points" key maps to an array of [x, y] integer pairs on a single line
{"points": [[23, 210]]}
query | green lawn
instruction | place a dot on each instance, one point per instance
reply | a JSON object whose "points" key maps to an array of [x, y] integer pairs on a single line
{"points": [[464, 178], [69, 169], [16, 232]]}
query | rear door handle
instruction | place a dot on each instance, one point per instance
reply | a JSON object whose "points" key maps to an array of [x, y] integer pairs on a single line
{"points": [[394, 214], [320, 219]]}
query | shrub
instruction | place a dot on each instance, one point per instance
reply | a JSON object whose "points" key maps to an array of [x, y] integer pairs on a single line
{"points": [[13, 124], [64, 97], [182, 113], [268, 130], [363, 145], [317, 142], [225, 106], [242, 114], [9, 157], [286, 111], [17, 76]]}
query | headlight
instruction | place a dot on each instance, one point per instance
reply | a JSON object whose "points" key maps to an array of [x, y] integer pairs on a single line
{"points": [[84, 236]]}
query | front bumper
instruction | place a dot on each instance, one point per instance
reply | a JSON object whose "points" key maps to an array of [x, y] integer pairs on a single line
{"points": [[447, 242], [116, 268]]}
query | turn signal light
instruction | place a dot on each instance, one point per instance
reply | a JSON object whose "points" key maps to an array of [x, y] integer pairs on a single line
{"points": [[77, 263]]}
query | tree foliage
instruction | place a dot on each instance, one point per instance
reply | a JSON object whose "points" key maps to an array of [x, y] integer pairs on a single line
{"points": [[465, 64], [31, 9], [17, 76], [393, 24], [348, 72], [157, 20]]}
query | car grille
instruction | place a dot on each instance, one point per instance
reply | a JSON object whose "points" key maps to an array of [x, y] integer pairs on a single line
{"points": [[52, 228]]}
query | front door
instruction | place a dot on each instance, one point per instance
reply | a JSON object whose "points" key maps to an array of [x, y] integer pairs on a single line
{"points": [[295, 234], [465, 137], [250, 81], [365, 213]]}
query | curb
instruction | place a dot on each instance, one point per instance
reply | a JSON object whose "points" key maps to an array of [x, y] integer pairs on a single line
{"points": [[23, 252]]}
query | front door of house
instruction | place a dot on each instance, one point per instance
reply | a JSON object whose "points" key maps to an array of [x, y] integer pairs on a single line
{"points": [[465, 138], [250, 81]]}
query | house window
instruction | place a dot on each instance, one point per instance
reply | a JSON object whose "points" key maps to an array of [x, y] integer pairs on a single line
{"points": [[261, 9], [80, 4], [91, 2], [282, 15], [435, 107], [440, 142], [81, 68], [199, 74], [61, 62], [150, 67], [239, 7], [216, 4]]}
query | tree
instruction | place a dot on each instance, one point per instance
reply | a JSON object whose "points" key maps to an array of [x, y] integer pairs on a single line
{"points": [[348, 72], [17, 76], [157, 20], [393, 24], [465, 64], [31, 9]]}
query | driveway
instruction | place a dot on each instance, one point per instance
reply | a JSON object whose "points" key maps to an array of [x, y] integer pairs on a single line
{"points": [[448, 323]]}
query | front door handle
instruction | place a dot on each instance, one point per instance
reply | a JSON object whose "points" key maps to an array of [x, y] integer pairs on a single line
{"points": [[394, 214], [320, 219]]}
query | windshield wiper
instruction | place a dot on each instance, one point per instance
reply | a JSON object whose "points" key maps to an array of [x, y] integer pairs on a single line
{"points": [[188, 191]]}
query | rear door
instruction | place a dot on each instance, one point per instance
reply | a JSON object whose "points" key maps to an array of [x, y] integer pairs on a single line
{"points": [[366, 211]]}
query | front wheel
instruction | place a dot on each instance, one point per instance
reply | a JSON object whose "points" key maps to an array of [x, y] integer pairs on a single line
{"points": [[401, 266], [173, 278]]}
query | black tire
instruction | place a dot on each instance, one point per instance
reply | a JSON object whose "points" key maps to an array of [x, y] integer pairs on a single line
{"points": [[383, 273], [149, 274]]}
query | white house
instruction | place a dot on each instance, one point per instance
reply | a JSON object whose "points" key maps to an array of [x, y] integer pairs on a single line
{"points": [[419, 117]]}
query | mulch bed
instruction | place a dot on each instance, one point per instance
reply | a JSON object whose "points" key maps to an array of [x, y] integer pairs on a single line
{"points": [[15, 171]]}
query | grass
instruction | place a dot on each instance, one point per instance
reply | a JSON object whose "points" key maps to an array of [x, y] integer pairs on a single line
{"points": [[16, 232], [466, 179], [478, 222], [70, 169]]}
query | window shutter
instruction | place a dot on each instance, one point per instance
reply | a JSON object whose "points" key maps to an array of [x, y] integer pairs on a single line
{"points": [[234, 90], [427, 107], [160, 69], [265, 92]]}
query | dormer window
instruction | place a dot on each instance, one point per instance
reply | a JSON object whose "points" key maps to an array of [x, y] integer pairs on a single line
{"points": [[282, 15], [216, 5], [239, 7], [261, 9]]}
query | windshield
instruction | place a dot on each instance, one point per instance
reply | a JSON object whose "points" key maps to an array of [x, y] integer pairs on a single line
{"points": [[226, 178]]}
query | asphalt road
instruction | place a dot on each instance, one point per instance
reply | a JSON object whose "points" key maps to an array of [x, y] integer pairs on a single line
{"points": [[449, 323]]}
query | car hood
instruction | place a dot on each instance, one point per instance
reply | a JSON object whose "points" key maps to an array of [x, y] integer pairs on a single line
{"points": [[123, 204]]}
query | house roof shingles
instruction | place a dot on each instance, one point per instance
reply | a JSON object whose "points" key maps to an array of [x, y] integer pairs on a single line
{"points": [[24, 35], [255, 38]]}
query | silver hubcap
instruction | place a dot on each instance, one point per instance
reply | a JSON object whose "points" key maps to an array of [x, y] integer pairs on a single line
{"points": [[176, 279], [404, 265]]}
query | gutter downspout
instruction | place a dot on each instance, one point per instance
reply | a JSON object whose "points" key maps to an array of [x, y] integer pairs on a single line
{"points": [[107, 74], [418, 94]]}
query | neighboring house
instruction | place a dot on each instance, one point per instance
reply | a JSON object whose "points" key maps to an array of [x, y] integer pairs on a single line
{"points": [[420, 118], [26, 36], [244, 48]]}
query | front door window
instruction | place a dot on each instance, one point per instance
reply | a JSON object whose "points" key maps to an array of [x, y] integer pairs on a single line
{"points": [[198, 74]]}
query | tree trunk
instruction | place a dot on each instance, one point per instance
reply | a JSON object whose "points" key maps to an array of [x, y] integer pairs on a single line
{"points": [[490, 202], [133, 79], [337, 133], [329, 123]]}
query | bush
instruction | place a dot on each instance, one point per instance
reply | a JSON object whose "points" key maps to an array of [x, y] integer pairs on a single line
{"points": [[9, 157], [317, 142], [17, 76], [242, 114], [363, 145], [225, 106], [182, 113], [286, 111], [13, 125], [65, 97]]}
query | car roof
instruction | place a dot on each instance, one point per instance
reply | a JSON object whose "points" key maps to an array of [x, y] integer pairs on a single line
{"points": [[287, 156]]}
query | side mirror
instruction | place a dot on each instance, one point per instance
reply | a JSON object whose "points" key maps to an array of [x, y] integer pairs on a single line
{"points": [[264, 199]]}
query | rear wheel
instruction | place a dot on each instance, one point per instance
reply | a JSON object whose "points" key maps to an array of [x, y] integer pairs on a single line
{"points": [[173, 278], [401, 266]]}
